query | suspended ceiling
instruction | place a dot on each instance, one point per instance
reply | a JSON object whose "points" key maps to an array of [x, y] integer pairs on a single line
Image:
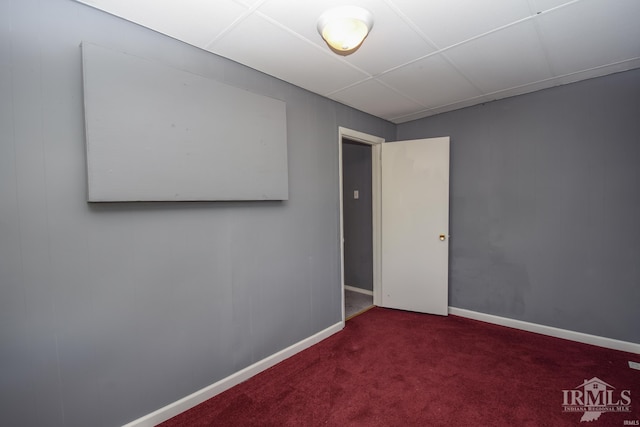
{"points": [[422, 57]]}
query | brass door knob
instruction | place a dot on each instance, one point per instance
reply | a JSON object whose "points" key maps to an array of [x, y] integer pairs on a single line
{"points": [[443, 237]]}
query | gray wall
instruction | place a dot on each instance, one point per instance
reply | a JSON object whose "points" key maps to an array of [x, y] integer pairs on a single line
{"points": [[357, 215], [110, 312], [545, 205]]}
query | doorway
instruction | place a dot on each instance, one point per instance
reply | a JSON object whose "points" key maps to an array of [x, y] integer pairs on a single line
{"points": [[415, 222], [358, 227], [359, 198]]}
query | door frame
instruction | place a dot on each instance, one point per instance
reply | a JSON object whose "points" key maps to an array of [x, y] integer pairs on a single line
{"points": [[376, 206]]}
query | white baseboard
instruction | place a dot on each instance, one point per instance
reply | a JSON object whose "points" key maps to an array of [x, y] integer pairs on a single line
{"points": [[548, 330], [359, 290], [224, 384]]}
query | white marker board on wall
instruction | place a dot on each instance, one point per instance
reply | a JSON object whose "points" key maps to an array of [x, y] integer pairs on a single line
{"points": [[157, 133]]}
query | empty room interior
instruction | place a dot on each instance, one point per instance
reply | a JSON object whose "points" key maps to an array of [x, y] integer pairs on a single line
{"points": [[189, 189]]}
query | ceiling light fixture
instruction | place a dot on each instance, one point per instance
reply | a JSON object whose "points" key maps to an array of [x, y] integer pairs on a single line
{"points": [[344, 28]]}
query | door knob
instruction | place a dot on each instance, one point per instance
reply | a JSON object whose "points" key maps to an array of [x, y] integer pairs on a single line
{"points": [[443, 237]]}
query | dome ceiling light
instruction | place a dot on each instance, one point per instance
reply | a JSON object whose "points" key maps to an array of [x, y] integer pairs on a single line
{"points": [[344, 28]]}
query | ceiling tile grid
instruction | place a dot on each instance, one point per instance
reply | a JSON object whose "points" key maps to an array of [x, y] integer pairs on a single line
{"points": [[379, 99], [539, 6], [450, 22], [301, 17], [295, 61], [431, 81], [422, 57], [503, 59], [195, 22]]}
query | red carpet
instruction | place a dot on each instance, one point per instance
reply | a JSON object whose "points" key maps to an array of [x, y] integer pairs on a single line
{"points": [[396, 368]]}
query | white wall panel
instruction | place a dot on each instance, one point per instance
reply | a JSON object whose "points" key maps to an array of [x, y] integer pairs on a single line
{"points": [[157, 133]]}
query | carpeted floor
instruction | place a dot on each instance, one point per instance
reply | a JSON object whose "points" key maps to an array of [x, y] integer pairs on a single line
{"points": [[396, 368]]}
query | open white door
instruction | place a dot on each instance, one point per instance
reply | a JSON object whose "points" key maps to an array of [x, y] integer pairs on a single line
{"points": [[415, 225]]}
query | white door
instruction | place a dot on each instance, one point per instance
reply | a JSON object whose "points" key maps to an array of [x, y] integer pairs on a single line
{"points": [[415, 225]]}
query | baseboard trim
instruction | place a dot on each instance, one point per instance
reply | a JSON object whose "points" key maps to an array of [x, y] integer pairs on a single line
{"points": [[224, 384], [548, 330], [359, 290]]}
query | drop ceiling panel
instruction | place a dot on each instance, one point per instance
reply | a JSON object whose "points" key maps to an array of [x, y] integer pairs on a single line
{"points": [[590, 34], [545, 5], [386, 35], [431, 81], [195, 22], [376, 99], [450, 22], [503, 59], [258, 43], [438, 110], [250, 3]]}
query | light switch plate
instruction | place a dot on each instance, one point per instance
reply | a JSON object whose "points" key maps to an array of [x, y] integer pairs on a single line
{"points": [[356, 194]]}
